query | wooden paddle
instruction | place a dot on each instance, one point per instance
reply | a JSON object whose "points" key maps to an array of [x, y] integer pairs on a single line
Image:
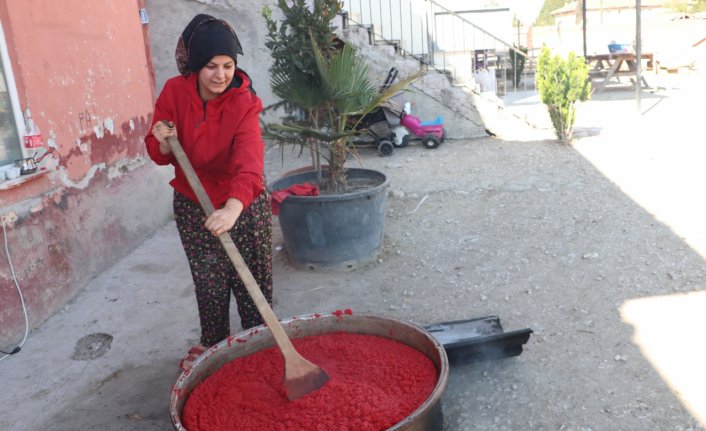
{"points": [[300, 376]]}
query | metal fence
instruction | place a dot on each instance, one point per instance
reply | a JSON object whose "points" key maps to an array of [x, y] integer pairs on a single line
{"points": [[453, 42]]}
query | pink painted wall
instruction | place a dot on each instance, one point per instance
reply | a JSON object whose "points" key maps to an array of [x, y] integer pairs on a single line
{"points": [[84, 69], [84, 72]]}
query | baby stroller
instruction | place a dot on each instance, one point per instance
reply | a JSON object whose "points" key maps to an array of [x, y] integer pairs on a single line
{"points": [[391, 127], [379, 124]]}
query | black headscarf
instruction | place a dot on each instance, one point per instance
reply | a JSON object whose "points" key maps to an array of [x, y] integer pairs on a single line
{"points": [[202, 39]]}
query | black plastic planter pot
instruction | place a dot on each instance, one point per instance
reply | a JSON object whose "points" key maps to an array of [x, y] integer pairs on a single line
{"points": [[332, 232]]}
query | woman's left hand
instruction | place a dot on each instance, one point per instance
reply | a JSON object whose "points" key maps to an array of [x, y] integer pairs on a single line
{"points": [[223, 219]]}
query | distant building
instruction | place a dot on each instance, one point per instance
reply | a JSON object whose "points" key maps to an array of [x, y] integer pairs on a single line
{"points": [[609, 12], [664, 33]]}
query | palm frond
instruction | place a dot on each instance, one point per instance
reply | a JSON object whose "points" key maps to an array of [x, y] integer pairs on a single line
{"points": [[297, 134], [299, 90], [382, 96], [344, 79]]}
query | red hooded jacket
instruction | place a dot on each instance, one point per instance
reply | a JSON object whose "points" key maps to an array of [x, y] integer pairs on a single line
{"points": [[221, 138]]}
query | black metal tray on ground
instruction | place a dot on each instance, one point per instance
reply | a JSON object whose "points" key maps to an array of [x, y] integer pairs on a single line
{"points": [[477, 339]]}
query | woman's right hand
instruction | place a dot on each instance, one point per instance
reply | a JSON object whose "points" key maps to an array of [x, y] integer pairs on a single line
{"points": [[161, 131]]}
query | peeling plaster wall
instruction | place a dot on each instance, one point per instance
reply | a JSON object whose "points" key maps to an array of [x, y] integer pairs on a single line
{"points": [[85, 72]]}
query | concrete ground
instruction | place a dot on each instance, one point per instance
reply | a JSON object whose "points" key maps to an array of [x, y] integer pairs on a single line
{"points": [[599, 248]]}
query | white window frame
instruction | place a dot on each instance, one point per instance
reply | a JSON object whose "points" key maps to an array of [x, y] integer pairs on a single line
{"points": [[12, 91]]}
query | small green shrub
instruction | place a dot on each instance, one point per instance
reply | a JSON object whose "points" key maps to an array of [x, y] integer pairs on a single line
{"points": [[561, 83]]}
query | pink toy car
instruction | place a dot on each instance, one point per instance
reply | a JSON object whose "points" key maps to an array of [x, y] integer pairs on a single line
{"points": [[431, 133]]}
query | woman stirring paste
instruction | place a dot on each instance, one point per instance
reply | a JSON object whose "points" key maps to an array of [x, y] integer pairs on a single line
{"points": [[215, 114]]}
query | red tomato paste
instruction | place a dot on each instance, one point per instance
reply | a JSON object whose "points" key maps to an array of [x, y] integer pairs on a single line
{"points": [[374, 383]]}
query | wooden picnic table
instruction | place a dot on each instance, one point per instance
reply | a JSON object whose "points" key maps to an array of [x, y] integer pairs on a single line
{"points": [[605, 67]]}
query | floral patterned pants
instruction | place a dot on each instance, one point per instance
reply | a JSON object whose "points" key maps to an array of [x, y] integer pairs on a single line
{"points": [[214, 274]]}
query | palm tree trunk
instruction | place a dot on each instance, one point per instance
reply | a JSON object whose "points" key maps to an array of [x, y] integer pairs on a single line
{"points": [[336, 169]]}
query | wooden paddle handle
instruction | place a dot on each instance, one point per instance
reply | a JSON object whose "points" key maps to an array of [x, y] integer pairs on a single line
{"points": [[283, 341]]}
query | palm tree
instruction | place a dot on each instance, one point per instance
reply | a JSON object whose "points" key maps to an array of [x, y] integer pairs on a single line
{"points": [[334, 101]]}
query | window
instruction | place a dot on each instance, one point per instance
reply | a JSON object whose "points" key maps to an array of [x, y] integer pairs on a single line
{"points": [[10, 114]]}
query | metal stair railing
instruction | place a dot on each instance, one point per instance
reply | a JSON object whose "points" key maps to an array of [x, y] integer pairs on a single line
{"points": [[444, 40]]}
